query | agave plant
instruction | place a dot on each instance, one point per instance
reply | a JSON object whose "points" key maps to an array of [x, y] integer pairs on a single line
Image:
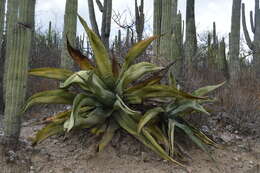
{"points": [[105, 97]]}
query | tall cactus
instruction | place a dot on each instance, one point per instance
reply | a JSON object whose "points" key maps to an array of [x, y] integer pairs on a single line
{"points": [[49, 39], [157, 18], [69, 30], [11, 17], [191, 36], [234, 41], [16, 72], [106, 10], [2, 16], [139, 19], [254, 44]]}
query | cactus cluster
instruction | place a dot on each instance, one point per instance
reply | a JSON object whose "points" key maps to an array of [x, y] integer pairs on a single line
{"points": [[254, 44]]}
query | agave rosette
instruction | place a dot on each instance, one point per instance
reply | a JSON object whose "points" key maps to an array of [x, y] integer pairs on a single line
{"points": [[107, 94]]}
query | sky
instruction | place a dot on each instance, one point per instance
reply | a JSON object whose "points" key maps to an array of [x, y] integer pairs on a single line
{"points": [[206, 11]]}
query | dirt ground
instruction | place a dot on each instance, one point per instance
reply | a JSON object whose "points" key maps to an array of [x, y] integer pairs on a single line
{"points": [[76, 154]]}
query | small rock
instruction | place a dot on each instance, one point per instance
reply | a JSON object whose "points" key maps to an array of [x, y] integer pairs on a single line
{"points": [[251, 162], [236, 158]]}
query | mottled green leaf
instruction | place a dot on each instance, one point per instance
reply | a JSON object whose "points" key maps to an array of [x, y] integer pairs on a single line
{"points": [[51, 73]]}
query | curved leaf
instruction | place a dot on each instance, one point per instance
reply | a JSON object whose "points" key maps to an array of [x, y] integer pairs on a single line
{"points": [[136, 72], [47, 131], [58, 96], [93, 118], [136, 51], [157, 91], [148, 116], [79, 101], [186, 105], [79, 58], [77, 78], [204, 90], [107, 137], [51, 73], [101, 55]]}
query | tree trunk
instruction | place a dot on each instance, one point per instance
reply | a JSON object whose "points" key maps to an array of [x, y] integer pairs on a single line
{"points": [[69, 30], [234, 41], [16, 71]]}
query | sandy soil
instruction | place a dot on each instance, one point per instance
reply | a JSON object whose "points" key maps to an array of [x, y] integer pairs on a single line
{"points": [[75, 153]]}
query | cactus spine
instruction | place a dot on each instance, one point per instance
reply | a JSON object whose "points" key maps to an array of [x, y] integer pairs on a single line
{"points": [[139, 19], [191, 37], [69, 30], [16, 72], [234, 41], [254, 45]]}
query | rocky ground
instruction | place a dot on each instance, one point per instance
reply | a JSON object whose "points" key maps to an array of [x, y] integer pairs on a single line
{"points": [[76, 154]]}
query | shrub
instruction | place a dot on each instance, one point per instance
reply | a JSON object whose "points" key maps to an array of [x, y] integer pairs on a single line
{"points": [[106, 97]]}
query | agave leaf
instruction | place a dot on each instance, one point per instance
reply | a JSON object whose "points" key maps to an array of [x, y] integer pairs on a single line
{"points": [[159, 135], [191, 135], [136, 72], [136, 51], [186, 105], [159, 149], [171, 129], [93, 118], [128, 124], [83, 62], [51, 73], [157, 91], [79, 101], [99, 129], [78, 78], [204, 90], [120, 105], [58, 96], [107, 137], [172, 80], [148, 116], [102, 60], [150, 81], [47, 131]]}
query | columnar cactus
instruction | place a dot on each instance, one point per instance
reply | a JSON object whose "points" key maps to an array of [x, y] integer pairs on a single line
{"points": [[139, 19], [191, 36], [167, 29], [106, 10], [16, 71], [2, 15], [69, 30], [50, 35], [157, 18], [222, 59], [234, 41], [254, 44], [11, 17]]}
